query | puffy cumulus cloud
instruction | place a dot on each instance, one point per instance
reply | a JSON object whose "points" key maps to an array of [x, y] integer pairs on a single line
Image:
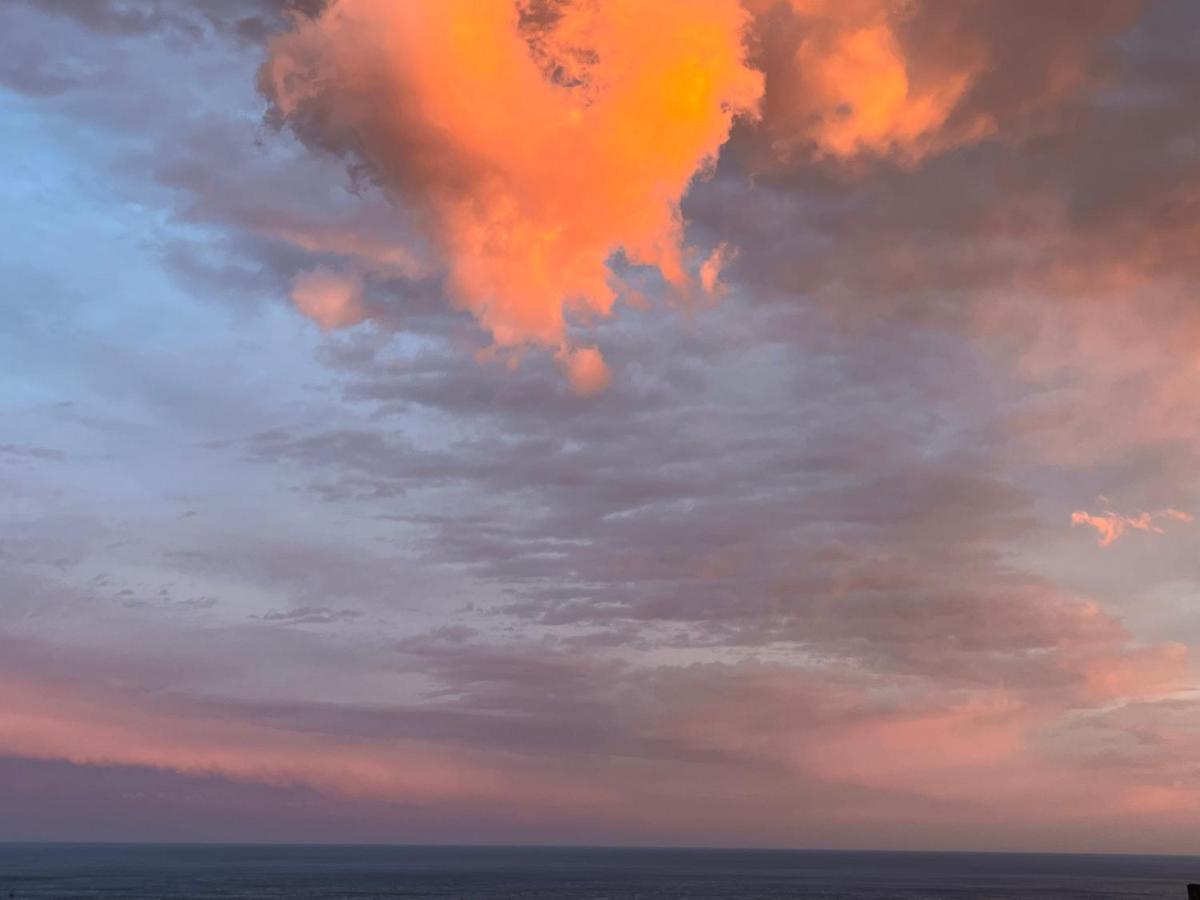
{"points": [[331, 299], [840, 81], [1111, 526], [905, 78], [536, 140]]}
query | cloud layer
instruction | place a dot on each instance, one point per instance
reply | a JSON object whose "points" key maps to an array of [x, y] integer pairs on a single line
{"points": [[870, 301]]}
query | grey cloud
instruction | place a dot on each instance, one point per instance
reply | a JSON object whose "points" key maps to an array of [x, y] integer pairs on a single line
{"points": [[250, 20], [310, 615], [31, 452]]}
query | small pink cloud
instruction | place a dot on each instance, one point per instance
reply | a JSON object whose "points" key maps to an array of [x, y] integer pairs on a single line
{"points": [[711, 268], [586, 370], [331, 299]]}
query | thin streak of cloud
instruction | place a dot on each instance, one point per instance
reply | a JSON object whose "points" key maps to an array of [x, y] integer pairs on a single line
{"points": [[1112, 526]]}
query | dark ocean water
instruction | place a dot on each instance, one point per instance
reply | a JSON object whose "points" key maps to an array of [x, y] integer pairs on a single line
{"points": [[141, 872]]}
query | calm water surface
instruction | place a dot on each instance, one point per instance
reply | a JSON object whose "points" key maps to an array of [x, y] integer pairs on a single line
{"points": [[142, 872]]}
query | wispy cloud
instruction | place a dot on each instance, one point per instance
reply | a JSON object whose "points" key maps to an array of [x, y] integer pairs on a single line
{"points": [[1112, 526]]}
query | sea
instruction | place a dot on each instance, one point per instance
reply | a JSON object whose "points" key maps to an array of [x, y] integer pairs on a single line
{"points": [[302, 872]]}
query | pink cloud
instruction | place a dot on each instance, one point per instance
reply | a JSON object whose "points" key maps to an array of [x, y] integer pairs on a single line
{"points": [[331, 299], [710, 270], [47, 720], [587, 370], [1111, 526]]}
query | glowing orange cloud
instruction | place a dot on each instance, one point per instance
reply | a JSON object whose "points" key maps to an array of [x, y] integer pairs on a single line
{"points": [[858, 91], [842, 84], [866, 79], [1112, 526], [535, 140]]}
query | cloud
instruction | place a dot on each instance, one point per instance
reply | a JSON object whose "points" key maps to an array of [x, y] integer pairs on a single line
{"points": [[841, 84], [804, 553], [27, 452], [1111, 526], [310, 615], [712, 267], [587, 371], [248, 20], [535, 141], [903, 79], [331, 299], [1058, 247], [51, 721]]}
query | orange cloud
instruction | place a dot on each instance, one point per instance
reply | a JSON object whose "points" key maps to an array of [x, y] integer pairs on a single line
{"points": [[906, 78], [842, 84], [535, 140], [857, 86], [1112, 526], [329, 298], [587, 371]]}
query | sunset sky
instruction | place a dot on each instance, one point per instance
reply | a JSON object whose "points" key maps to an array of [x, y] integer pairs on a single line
{"points": [[704, 422]]}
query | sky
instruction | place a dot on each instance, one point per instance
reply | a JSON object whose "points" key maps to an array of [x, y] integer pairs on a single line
{"points": [[690, 422]]}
